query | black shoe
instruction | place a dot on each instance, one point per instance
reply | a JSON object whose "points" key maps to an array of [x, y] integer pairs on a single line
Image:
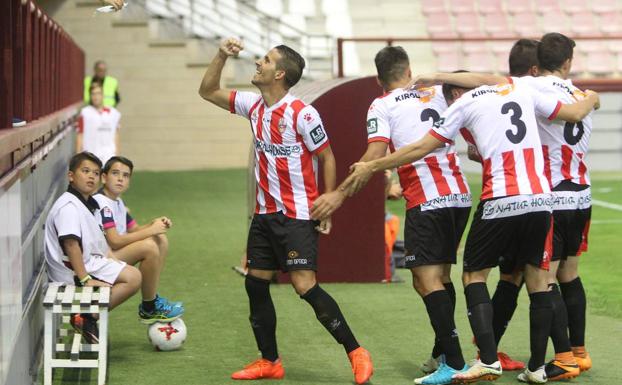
{"points": [[86, 325]]}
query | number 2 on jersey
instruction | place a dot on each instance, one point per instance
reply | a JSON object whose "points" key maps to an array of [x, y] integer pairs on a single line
{"points": [[521, 129], [428, 114]]}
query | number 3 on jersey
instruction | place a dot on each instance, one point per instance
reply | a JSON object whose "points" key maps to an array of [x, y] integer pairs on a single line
{"points": [[521, 129]]}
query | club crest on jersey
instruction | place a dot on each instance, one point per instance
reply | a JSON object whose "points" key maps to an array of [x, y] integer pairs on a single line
{"points": [[372, 126], [504, 89], [318, 134], [308, 118], [426, 94], [282, 125]]}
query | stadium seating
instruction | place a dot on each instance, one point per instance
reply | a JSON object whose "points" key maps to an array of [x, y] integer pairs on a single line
{"points": [[462, 19]]}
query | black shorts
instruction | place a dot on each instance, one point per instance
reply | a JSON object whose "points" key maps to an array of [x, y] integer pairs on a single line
{"points": [[278, 242], [508, 241], [431, 237], [571, 224]]}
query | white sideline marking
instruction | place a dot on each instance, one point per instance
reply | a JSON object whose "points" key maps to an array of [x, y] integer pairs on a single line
{"points": [[608, 205], [605, 221]]}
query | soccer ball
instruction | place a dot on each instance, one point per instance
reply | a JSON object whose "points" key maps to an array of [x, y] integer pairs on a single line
{"points": [[168, 336]]}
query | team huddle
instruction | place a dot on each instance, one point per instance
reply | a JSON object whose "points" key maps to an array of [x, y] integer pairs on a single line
{"points": [[530, 133]]}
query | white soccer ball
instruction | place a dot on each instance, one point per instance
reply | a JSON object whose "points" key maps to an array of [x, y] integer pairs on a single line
{"points": [[168, 336]]}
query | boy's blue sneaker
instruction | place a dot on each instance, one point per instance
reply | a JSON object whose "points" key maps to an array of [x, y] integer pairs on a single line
{"points": [[163, 312], [442, 376], [165, 300]]}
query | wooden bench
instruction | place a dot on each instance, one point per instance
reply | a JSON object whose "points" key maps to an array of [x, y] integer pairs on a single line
{"points": [[60, 302]]}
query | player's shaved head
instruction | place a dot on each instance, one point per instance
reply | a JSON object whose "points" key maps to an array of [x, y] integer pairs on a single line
{"points": [[292, 63], [553, 51], [523, 57], [77, 159], [391, 64], [451, 92]]}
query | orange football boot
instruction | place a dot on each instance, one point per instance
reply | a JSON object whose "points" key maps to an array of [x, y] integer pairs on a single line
{"points": [[362, 366], [259, 369]]}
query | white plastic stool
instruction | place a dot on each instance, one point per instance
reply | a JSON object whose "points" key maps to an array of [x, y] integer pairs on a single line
{"points": [[60, 302]]}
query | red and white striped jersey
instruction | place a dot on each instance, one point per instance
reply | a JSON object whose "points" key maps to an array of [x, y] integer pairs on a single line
{"points": [[286, 137], [564, 144], [501, 121], [402, 117]]}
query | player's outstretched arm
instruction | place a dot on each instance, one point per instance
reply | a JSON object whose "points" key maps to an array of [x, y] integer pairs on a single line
{"points": [[116, 4], [361, 172], [325, 205], [210, 85], [575, 112], [473, 154], [461, 79]]}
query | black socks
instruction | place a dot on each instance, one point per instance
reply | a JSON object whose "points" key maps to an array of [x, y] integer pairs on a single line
{"points": [[440, 309], [540, 318], [449, 287], [574, 297], [480, 317], [149, 306], [263, 316], [559, 325], [328, 313], [504, 303]]}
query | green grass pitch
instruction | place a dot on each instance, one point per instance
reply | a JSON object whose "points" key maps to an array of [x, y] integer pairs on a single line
{"points": [[208, 237]]}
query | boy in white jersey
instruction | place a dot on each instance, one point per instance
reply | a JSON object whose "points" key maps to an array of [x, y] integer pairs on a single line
{"points": [[437, 195], [513, 219], [75, 248], [289, 139], [98, 127], [564, 147], [134, 244]]}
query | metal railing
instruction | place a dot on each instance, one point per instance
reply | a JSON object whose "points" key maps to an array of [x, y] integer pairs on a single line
{"points": [[391, 40], [42, 68], [217, 19]]}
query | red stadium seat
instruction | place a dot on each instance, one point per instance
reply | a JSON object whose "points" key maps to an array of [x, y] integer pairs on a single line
{"points": [[547, 6], [611, 23], [490, 6], [615, 46], [502, 47], [497, 25], [440, 25], [555, 21], [600, 63], [449, 61], [605, 6], [526, 24], [461, 6], [513, 7], [502, 66], [480, 62], [467, 25], [445, 47], [578, 66], [575, 6], [619, 66], [474, 47], [429, 7], [590, 46], [583, 24]]}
